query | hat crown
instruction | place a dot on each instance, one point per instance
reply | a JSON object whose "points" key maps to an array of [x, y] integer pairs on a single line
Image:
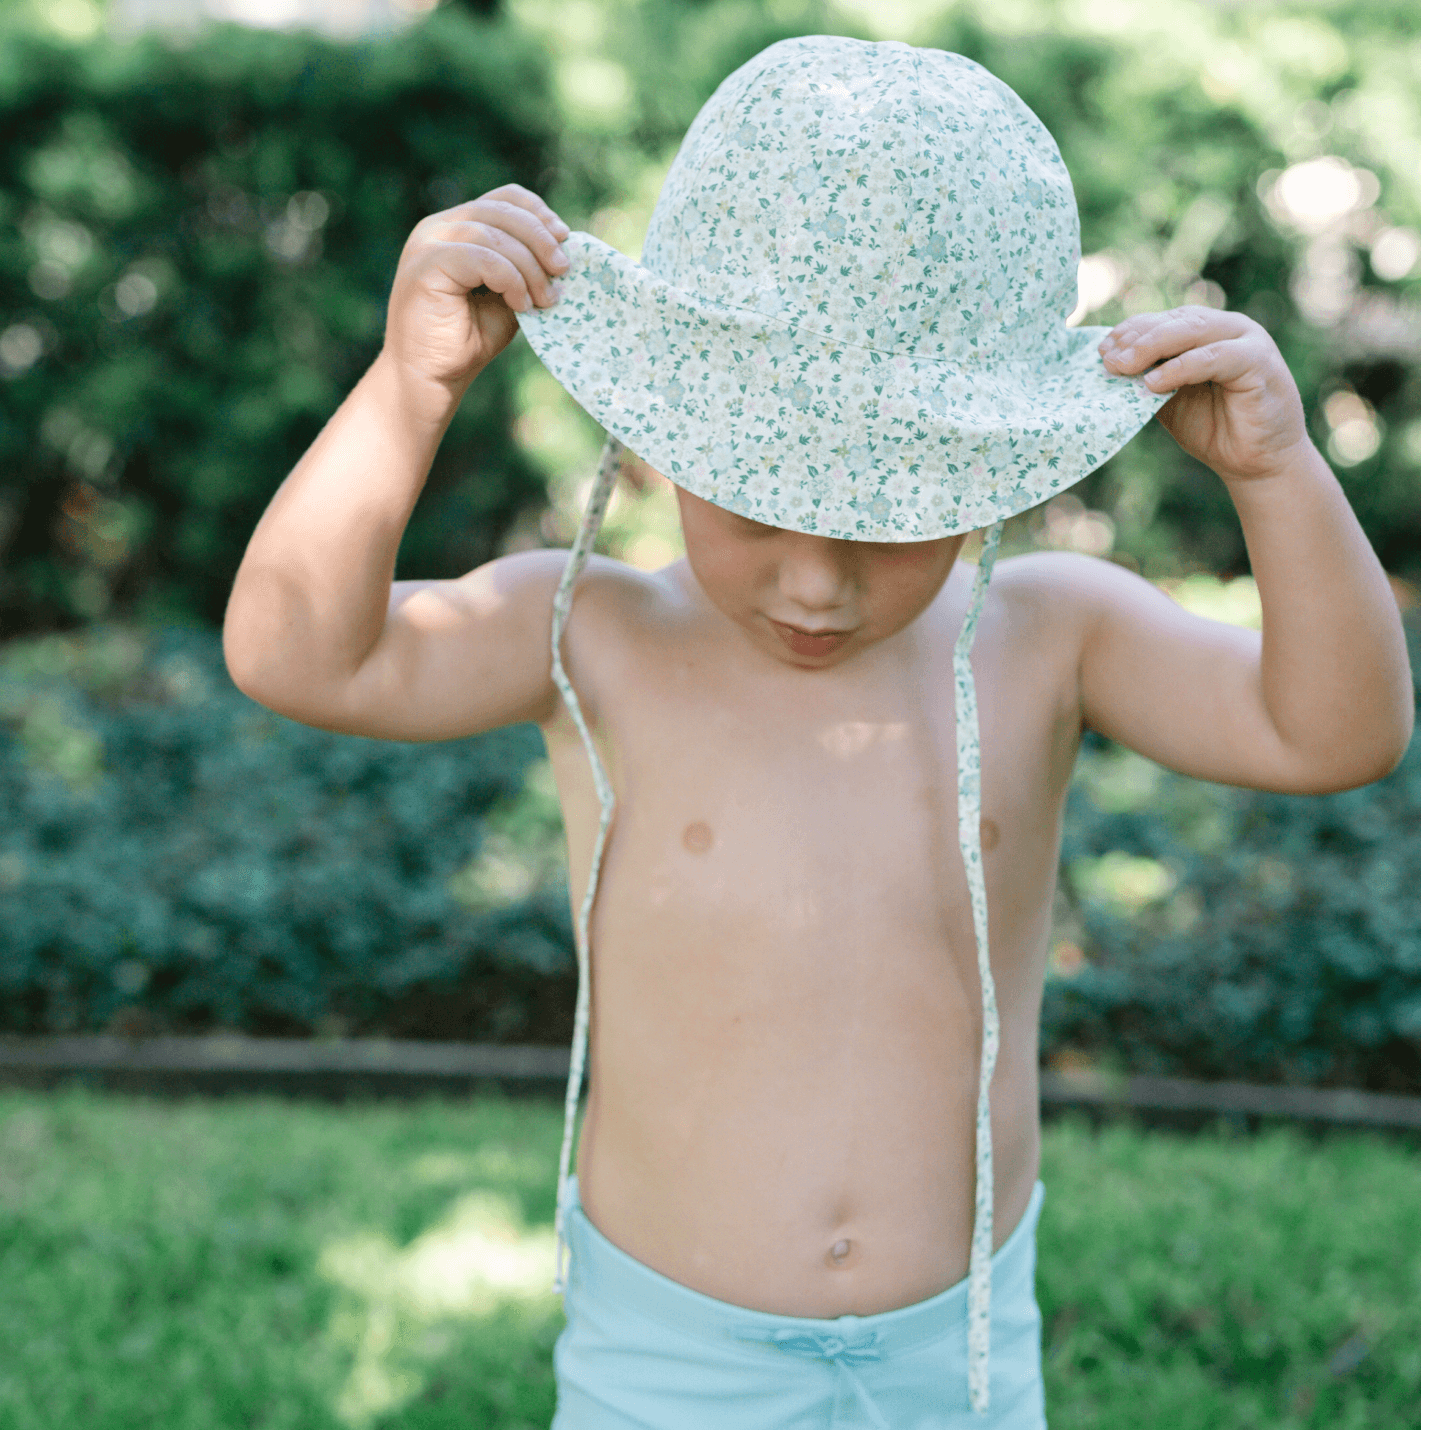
{"points": [[898, 199]]}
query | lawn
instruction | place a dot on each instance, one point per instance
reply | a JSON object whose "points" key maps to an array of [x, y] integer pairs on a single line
{"points": [[256, 1263]]}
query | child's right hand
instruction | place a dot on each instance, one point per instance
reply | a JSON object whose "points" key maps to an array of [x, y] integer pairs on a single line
{"points": [[443, 327]]}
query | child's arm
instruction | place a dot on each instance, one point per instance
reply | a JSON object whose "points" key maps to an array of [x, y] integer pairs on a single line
{"points": [[1321, 698], [313, 601]]}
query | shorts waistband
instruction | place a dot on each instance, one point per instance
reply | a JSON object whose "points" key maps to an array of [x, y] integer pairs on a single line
{"points": [[602, 1269]]}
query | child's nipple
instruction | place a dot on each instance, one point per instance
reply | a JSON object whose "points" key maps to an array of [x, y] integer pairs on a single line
{"points": [[697, 837]]}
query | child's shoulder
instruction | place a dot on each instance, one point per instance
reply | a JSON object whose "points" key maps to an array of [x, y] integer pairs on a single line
{"points": [[617, 612], [616, 604], [608, 592], [1062, 572], [1057, 607], [1069, 586], [457, 657]]}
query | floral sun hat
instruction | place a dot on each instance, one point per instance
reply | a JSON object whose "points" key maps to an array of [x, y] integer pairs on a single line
{"points": [[849, 319]]}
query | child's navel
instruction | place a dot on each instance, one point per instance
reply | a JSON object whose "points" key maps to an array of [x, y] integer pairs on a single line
{"points": [[840, 1254], [697, 837]]}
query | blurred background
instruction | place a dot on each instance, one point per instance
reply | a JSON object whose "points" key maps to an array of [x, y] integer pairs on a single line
{"points": [[203, 202]]}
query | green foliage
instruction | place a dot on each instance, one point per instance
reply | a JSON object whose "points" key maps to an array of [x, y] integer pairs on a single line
{"points": [[252, 1261], [199, 245], [175, 854], [232, 210], [1286, 947]]}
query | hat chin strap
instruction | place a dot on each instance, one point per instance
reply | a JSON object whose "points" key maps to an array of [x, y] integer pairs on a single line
{"points": [[980, 1270], [969, 818], [606, 474]]}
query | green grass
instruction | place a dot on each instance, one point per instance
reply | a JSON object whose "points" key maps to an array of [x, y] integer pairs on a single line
{"points": [[262, 1264]]}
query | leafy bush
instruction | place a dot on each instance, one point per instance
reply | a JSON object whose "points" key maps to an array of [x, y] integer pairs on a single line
{"points": [[1283, 946], [234, 210], [199, 243], [174, 856]]}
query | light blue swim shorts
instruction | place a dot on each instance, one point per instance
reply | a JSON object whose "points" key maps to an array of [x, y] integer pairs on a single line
{"points": [[641, 1350]]}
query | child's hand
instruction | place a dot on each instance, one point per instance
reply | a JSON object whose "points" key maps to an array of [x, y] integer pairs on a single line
{"points": [[443, 327], [1237, 408]]}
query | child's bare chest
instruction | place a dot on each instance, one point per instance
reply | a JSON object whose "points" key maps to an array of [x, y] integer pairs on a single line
{"points": [[785, 996], [822, 811], [815, 833]]}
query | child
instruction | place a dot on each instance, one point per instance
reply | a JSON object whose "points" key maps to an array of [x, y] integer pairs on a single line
{"points": [[846, 344]]}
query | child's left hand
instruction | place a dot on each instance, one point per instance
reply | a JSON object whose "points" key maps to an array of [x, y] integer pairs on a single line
{"points": [[1237, 408]]}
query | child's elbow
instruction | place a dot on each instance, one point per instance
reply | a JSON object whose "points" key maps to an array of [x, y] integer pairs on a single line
{"points": [[1403, 734], [1375, 764], [1386, 740], [1387, 766], [1400, 748]]}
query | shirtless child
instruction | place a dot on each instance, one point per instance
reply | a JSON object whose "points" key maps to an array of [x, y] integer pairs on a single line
{"points": [[847, 364]]}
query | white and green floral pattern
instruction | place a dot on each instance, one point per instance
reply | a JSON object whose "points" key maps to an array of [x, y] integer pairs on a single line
{"points": [[849, 318], [849, 314]]}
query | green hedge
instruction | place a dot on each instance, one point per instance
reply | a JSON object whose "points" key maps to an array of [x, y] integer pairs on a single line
{"points": [[174, 856], [197, 244], [1298, 959]]}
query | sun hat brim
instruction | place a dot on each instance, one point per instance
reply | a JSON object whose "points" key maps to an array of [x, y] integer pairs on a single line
{"points": [[860, 443]]}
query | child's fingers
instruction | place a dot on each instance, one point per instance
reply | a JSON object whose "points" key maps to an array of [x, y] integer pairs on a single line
{"points": [[534, 287], [1138, 342], [1191, 316], [523, 197], [1224, 362], [516, 196], [470, 265], [525, 227]]}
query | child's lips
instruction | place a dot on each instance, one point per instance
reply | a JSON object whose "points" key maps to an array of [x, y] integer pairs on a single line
{"points": [[803, 642]]}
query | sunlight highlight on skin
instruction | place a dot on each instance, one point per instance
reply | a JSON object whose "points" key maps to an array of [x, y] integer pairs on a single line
{"points": [[853, 737]]}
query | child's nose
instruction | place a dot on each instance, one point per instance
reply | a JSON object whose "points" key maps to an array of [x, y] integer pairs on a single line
{"points": [[815, 573]]}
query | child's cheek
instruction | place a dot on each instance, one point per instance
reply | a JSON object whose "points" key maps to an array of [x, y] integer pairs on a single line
{"points": [[903, 582], [917, 563]]}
